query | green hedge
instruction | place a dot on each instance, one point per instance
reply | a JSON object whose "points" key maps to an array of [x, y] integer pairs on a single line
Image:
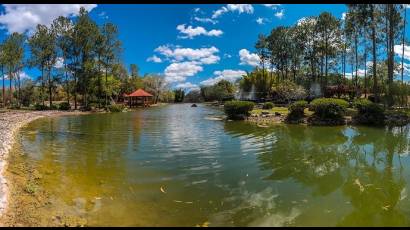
{"points": [[238, 110], [116, 108], [267, 105], [368, 112], [329, 108]]}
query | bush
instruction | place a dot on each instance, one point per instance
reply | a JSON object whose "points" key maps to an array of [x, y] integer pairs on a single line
{"points": [[238, 110], [116, 108], [368, 112], [296, 112], [288, 91], [396, 118], [65, 106], [329, 108], [328, 111], [267, 105], [40, 107]]}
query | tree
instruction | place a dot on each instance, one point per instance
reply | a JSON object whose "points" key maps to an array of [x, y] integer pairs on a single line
{"points": [[2, 64], [111, 48], [155, 85], [44, 54], [85, 33], [179, 95], [134, 70], [64, 32], [13, 49], [328, 34]]}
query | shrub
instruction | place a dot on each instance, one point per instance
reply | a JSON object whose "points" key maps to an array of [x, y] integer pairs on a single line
{"points": [[40, 107], [267, 105], [296, 111], [116, 108], [368, 112], [396, 118], [288, 91], [329, 108], [328, 111], [64, 106], [238, 110]]}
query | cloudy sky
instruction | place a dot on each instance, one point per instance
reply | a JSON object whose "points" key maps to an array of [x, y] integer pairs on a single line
{"points": [[189, 44]]}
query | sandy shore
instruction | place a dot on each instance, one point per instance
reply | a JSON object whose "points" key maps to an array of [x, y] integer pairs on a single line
{"points": [[10, 123]]}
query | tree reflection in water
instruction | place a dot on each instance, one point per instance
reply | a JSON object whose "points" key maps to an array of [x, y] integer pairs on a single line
{"points": [[363, 164]]}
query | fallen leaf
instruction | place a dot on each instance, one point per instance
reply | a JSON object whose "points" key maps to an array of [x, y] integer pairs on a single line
{"points": [[162, 190], [357, 182]]}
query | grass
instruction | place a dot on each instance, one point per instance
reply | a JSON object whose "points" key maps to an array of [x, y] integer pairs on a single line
{"points": [[281, 110]]}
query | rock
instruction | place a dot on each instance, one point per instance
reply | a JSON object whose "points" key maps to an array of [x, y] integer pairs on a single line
{"points": [[265, 112], [194, 105], [278, 114]]}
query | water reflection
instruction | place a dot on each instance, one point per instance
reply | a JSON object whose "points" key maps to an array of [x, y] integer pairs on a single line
{"points": [[111, 167], [363, 163]]}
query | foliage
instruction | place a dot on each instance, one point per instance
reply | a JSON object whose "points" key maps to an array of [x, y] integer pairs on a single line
{"points": [[116, 108], [329, 108], [368, 112], [238, 110], [267, 105], [193, 96], [288, 91], [40, 107], [221, 91], [179, 95], [65, 106], [296, 110]]}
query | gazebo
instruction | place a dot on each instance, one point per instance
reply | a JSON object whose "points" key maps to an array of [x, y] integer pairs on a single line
{"points": [[139, 97]]}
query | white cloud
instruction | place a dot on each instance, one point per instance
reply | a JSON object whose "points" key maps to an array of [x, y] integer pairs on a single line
{"points": [[23, 75], [103, 15], [398, 49], [228, 74], [59, 63], [190, 32], [272, 6], [344, 15], [240, 8], [248, 58], [188, 86], [280, 14], [154, 58], [205, 20], [178, 72], [259, 21], [178, 54], [25, 17]]}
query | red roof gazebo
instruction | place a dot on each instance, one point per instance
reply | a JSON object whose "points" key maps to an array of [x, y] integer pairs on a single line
{"points": [[139, 97]]}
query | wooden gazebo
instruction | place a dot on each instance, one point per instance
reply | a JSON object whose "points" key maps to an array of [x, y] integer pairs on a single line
{"points": [[139, 98]]}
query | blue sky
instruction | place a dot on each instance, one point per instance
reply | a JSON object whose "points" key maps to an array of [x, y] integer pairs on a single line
{"points": [[188, 44]]}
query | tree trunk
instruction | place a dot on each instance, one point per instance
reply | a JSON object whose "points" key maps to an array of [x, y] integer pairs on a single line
{"points": [[50, 92], [402, 54], [4, 87], [68, 83], [375, 90], [11, 89]]}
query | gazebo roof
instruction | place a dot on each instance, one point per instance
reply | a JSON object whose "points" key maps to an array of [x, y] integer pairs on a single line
{"points": [[140, 93]]}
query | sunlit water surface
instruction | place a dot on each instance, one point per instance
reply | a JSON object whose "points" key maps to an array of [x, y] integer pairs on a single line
{"points": [[174, 166]]}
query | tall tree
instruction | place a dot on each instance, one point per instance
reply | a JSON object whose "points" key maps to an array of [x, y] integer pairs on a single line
{"points": [[134, 70], [13, 49], [64, 32], [112, 49], [44, 55]]}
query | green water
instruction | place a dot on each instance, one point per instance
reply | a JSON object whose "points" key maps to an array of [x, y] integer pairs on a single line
{"points": [[110, 168]]}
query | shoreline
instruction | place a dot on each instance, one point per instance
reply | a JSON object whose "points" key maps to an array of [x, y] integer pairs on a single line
{"points": [[10, 123]]}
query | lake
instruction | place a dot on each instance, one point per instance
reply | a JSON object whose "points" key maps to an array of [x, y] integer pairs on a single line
{"points": [[176, 166]]}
